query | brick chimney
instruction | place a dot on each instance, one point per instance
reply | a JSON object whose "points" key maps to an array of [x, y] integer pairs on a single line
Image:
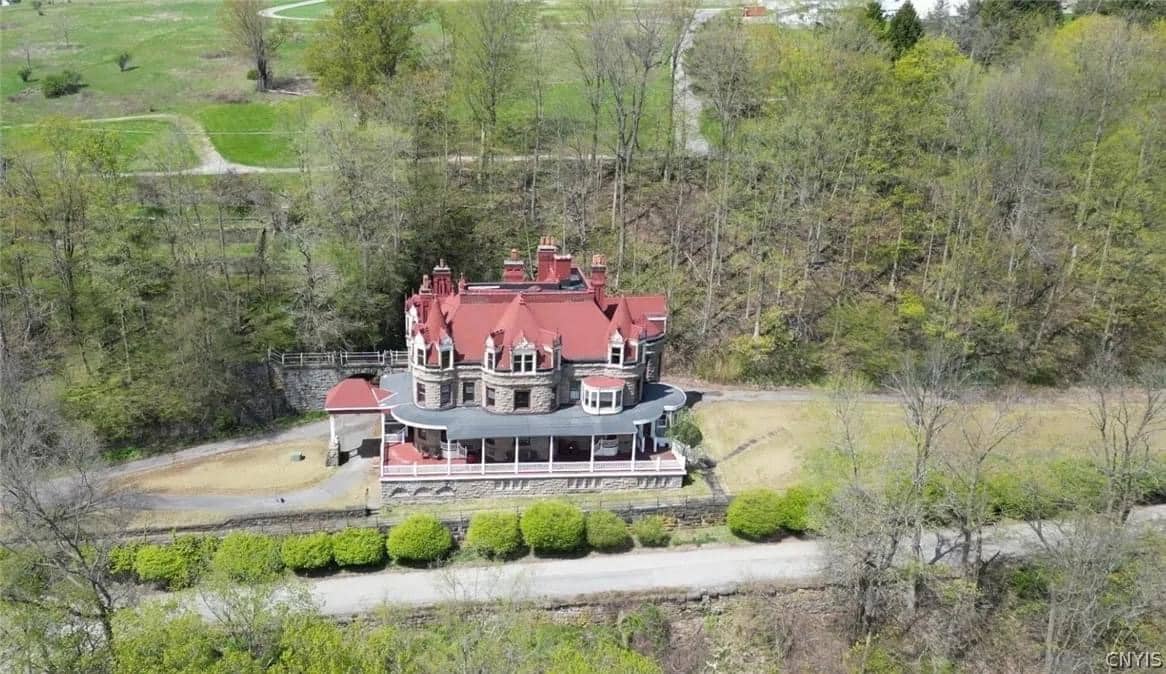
{"points": [[562, 266], [426, 296], [546, 259], [599, 279], [442, 280], [513, 269]]}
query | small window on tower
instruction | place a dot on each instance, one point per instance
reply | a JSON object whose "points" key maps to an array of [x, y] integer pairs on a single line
{"points": [[420, 393], [469, 390], [446, 394], [524, 362], [522, 400], [446, 359], [615, 356], [489, 396]]}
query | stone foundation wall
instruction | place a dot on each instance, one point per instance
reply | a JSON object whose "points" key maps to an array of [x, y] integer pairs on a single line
{"points": [[408, 491], [304, 388]]}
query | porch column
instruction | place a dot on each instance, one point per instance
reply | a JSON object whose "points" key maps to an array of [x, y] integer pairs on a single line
{"points": [[516, 455], [634, 435], [333, 458], [593, 454], [449, 458], [483, 456], [551, 463]]}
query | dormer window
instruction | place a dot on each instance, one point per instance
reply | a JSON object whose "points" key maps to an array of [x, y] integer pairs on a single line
{"points": [[524, 361], [615, 355], [446, 358], [491, 360]]}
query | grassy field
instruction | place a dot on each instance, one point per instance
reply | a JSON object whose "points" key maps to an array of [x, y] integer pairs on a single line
{"points": [[266, 469], [141, 142], [179, 58], [789, 435], [180, 64], [259, 134]]}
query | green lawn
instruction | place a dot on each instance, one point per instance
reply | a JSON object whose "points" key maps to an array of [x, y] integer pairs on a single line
{"points": [[181, 64], [259, 134], [179, 56], [142, 142]]}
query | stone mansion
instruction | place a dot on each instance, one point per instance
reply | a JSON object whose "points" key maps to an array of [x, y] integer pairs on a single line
{"points": [[538, 383]]}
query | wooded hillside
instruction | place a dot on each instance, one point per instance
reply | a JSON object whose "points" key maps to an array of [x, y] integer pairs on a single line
{"points": [[995, 185]]}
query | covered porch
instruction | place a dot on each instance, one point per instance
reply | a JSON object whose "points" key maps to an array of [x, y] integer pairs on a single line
{"points": [[567, 455]]}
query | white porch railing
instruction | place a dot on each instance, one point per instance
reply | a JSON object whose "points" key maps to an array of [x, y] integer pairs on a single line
{"points": [[338, 358], [453, 450], [394, 438], [468, 470]]}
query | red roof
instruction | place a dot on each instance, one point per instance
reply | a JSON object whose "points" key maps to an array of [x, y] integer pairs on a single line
{"points": [[570, 309], [600, 382], [355, 395]]}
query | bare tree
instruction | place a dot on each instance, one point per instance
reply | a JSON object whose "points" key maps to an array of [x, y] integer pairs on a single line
{"points": [[966, 465], [60, 513], [1129, 417], [253, 35], [632, 51], [928, 391]]}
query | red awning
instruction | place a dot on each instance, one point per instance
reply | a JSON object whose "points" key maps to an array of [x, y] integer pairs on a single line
{"points": [[600, 382], [355, 396]]}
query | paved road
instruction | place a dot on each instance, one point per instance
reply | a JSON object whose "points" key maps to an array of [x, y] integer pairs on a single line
{"points": [[277, 12], [704, 569]]}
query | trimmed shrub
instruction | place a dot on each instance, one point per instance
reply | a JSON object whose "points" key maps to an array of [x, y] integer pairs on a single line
{"points": [[553, 527], [61, 84], [420, 538], [123, 61], [651, 532], [252, 74], [495, 535], [358, 547], [25, 73], [606, 531], [248, 557], [162, 564], [796, 504], [307, 551], [755, 514]]}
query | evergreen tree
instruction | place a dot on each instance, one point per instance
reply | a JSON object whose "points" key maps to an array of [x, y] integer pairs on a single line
{"points": [[904, 30]]}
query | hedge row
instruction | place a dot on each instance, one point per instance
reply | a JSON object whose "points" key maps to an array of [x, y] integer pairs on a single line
{"points": [[760, 514]]}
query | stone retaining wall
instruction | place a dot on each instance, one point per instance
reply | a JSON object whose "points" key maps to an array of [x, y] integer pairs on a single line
{"points": [[703, 511], [304, 388]]}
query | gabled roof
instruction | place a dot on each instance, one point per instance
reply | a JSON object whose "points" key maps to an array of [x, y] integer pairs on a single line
{"points": [[355, 395], [574, 313]]}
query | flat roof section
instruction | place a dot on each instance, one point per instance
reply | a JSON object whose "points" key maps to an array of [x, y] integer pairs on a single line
{"points": [[471, 423]]}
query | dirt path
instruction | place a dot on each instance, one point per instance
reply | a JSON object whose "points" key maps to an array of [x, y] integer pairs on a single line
{"points": [[277, 11]]}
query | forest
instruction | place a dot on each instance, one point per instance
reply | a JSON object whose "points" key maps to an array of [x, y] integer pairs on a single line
{"points": [[843, 195]]}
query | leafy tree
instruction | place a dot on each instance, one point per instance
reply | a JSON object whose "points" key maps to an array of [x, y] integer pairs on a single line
{"points": [[361, 44], [494, 534], [420, 538], [904, 29]]}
